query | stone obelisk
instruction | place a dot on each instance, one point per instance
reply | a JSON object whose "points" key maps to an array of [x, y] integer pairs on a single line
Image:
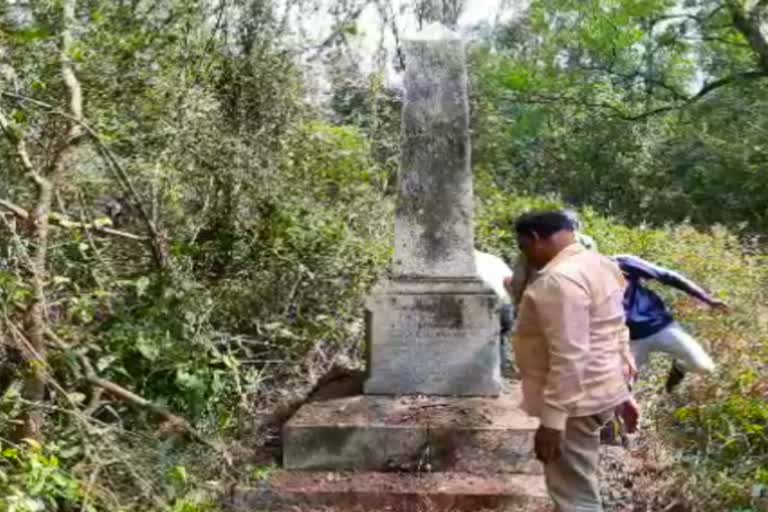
{"points": [[433, 329]]}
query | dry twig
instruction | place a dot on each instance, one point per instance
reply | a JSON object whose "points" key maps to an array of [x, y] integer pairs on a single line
{"points": [[64, 222]]}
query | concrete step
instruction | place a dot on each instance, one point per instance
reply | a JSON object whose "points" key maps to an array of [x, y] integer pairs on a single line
{"points": [[412, 433], [392, 492]]}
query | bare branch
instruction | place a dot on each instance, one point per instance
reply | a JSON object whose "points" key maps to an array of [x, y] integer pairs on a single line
{"points": [[711, 86], [20, 146], [387, 13], [677, 95], [14, 209], [62, 221], [338, 31], [624, 115], [67, 71], [157, 244]]}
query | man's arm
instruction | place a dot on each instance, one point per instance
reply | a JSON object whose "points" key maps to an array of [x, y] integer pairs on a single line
{"points": [[563, 309], [633, 265]]}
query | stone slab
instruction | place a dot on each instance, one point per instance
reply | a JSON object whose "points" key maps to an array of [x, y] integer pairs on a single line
{"points": [[433, 337], [393, 492], [408, 433]]}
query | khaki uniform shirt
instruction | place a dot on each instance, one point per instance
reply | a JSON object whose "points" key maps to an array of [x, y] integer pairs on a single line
{"points": [[571, 340]]}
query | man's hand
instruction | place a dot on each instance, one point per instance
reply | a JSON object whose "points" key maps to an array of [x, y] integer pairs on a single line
{"points": [[547, 444], [630, 369], [629, 412]]}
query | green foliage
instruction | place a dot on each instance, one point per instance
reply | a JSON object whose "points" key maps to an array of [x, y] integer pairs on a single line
{"points": [[275, 221], [599, 103], [262, 473], [32, 479]]}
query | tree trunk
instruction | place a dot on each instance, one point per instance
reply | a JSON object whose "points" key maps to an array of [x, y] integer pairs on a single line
{"points": [[36, 317]]}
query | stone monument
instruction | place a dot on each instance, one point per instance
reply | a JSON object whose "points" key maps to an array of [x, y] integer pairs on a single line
{"points": [[431, 423], [433, 328]]}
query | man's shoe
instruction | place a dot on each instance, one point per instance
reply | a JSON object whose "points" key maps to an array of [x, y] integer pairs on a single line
{"points": [[676, 375]]}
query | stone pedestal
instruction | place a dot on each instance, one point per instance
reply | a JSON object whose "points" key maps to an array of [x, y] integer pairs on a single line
{"points": [[433, 337], [413, 433]]}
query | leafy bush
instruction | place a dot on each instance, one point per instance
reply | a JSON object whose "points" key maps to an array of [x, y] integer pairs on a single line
{"points": [[32, 480]]}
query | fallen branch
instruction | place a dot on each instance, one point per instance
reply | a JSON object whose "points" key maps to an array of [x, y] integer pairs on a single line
{"points": [[177, 423], [16, 210], [61, 221]]}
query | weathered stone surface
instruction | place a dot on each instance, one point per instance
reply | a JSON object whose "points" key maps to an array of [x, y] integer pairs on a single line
{"points": [[433, 337], [434, 233], [434, 328], [377, 433], [393, 492]]}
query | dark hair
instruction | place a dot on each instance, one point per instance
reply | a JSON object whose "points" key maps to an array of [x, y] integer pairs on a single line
{"points": [[543, 224]]}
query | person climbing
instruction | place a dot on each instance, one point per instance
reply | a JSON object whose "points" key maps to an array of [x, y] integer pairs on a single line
{"points": [[570, 346], [493, 271], [523, 273], [652, 328]]}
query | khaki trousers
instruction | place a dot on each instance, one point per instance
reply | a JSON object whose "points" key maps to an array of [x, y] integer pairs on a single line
{"points": [[572, 479]]}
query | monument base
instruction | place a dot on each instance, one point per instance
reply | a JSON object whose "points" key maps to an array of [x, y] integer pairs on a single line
{"points": [[391, 492], [433, 336], [412, 434]]}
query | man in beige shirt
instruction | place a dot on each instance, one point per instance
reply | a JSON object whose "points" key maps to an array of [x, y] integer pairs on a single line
{"points": [[571, 347]]}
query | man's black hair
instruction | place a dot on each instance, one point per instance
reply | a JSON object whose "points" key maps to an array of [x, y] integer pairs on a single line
{"points": [[543, 224]]}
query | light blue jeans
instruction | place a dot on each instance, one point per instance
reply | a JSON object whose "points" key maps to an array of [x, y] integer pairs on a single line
{"points": [[675, 341]]}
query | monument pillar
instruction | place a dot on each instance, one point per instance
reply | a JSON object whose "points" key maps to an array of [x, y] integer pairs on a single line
{"points": [[433, 328]]}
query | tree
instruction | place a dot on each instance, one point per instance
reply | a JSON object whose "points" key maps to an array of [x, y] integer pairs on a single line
{"points": [[47, 175], [570, 76]]}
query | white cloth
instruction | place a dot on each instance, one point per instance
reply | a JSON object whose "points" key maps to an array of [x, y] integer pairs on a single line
{"points": [[493, 271], [673, 340]]}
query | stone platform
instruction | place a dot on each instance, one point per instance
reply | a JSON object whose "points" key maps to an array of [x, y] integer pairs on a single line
{"points": [[392, 492], [411, 433]]}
